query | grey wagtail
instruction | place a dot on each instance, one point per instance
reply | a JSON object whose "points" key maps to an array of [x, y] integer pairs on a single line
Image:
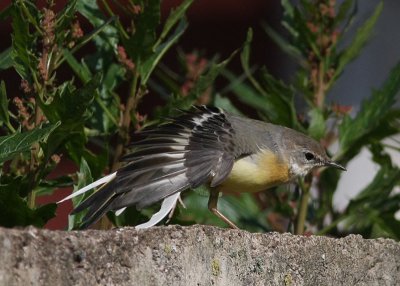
{"points": [[204, 145]]}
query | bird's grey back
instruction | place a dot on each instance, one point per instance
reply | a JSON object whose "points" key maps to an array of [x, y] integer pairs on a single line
{"points": [[251, 135]]}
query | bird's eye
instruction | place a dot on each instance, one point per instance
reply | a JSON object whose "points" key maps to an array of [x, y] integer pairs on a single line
{"points": [[309, 156]]}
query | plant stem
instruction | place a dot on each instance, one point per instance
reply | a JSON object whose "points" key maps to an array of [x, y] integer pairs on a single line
{"points": [[34, 157], [10, 127], [302, 214], [320, 89], [125, 123]]}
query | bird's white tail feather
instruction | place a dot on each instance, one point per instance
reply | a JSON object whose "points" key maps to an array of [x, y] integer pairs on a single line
{"points": [[95, 184], [120, 211], [167, 205]]}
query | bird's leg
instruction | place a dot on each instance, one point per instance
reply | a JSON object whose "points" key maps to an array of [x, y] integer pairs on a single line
{"points": [[212, 206]]}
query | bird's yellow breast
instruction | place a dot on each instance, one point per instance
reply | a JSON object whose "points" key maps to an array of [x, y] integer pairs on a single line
{"points": [[256, 173]]}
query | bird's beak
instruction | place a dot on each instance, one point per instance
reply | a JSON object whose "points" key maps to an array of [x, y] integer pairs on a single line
{"points": [[334, 164]]}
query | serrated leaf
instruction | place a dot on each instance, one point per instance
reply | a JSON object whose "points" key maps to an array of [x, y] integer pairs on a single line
{"points": [[207, 79], [71, 107], [279, 101], [361, 38], [70, 104], [6, 60], [140, 45], [246, 93], [366, 212], [200, 86], [226, 104], [84, 178], [80, 70], [202, 190], [15, 212], [316, 129], [105, 35], [288, 7], [66, 16], [284, 45], [5, 13], [22, 41], [272, 98], [344, 9], [245, 54], [47, 187], [17, 143], [174, 17], [3, 104], [369, 118], [148, 65]]}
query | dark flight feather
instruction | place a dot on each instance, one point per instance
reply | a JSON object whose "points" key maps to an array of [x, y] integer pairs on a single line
{"points": [[195, 148]]}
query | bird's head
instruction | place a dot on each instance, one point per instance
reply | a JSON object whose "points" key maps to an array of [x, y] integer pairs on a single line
{"points": [[305, 154]]}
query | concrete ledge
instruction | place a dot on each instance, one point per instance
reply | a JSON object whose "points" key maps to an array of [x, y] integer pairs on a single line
{"points": [[197, 255]]}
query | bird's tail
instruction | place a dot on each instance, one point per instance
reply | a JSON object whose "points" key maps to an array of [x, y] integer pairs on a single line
{"points": [[100, 201]]}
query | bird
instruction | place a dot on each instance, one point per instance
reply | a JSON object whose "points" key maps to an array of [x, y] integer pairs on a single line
{"points": [[204, 145]]}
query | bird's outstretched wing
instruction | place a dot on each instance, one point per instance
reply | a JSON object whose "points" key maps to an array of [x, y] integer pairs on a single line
{"points": [[192, 149]]}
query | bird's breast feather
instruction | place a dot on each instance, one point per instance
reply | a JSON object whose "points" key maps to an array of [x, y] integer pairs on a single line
{"points": [[256, 172]]}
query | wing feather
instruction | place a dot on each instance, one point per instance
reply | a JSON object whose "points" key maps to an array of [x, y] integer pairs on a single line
{"points": [[195, 148]]}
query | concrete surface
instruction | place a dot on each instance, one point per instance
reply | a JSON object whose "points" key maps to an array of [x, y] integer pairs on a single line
{"points": [[197, 255]]}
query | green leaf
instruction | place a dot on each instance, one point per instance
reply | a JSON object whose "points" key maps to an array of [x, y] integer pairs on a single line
{"points": [[15, 212], [4, 104], [344, 10], [273, 98], [106, 111], [47, 187], [71, 107], [66, 16], [105, 35], [317, 124], [361, 38], [366, 212], [6, 60], [354, 133], [288, 7], [147, 67], [131, 216], [279, 101], [81, 70], [173, 18], [70, 104], [245, 54], [284, 45], [43, 214], [22, 41], [245, 93], [17, 143], [200, 86], [84, 179], [207, 79], [140, 45], [328, 183], [226, 104], [5, 13]]}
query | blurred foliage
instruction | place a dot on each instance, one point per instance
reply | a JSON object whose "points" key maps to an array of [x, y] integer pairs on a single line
{"points": [[84, 74]]}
